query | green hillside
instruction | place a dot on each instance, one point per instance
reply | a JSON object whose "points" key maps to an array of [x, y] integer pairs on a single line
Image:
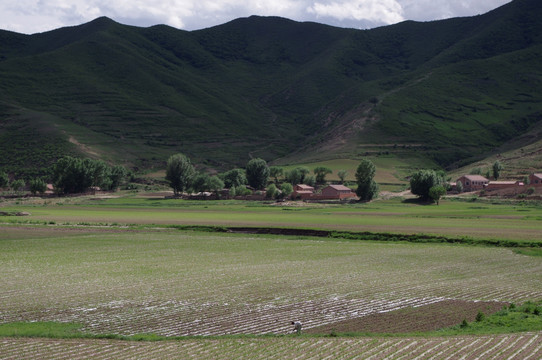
{"points": [[451, 91]]}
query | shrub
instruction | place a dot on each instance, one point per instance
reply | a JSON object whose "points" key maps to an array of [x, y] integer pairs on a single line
{"points": [[241, 190], [17, 185], [271, 191], [286, 189], [459, 187], [530, 191], [480, 316], [436, 192], [38, 186], [464, 324]]}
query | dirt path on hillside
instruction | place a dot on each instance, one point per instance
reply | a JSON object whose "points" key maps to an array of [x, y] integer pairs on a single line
{"points": [[82, 147]]}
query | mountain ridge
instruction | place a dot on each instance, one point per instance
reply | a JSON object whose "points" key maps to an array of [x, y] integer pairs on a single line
{"points": [[275, 88]]}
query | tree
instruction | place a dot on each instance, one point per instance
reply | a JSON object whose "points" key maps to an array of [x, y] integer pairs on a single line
{"points": [[38, 185], [309, 180], [297, 175], [17, 185], [320, 172], [423, 180], [201, 182], [271, 191], [234, 178], [287, 189], [304, 171], [293, 176], [257, 173], [367, 187], [101, 173], [117, 175], [275, 172], [179, 173], [73, 175], [436, 192], [459, 187], [342, 175], [216, 184], [4, 180], [497, 168]]}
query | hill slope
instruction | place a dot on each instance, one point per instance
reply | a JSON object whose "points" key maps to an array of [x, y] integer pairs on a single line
{"points": [[272, 88]]}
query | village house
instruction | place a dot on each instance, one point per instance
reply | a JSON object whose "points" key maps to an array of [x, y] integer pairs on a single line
{"points": [[336, 192], [496, 185], [302, 191], [535, 179], [473, 182]]}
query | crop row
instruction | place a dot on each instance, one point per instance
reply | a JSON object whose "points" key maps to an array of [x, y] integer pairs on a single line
{"points": [[177, 318], [516, 346]]}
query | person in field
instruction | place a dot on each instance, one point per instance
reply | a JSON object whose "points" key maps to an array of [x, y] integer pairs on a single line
{"points": [[297, 326]]}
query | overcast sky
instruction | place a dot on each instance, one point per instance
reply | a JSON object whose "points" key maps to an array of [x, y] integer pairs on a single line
{"points": [[31, 16]]}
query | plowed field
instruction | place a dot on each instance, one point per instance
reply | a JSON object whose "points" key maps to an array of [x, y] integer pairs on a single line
{"points": [[175, 283], [515, 346]]}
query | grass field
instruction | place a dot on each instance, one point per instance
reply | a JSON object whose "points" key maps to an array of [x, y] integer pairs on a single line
{"points": [[479, 219], [78, 264]]}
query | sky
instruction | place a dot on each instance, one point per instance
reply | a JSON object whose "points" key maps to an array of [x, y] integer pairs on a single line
{"points": [[33, 16]]}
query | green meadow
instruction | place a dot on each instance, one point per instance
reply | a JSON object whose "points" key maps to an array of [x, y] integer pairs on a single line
{"points": [[476, 219]]}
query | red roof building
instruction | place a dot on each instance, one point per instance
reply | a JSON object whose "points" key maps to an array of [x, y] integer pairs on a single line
{"points": [[337, 192], [473, 182], [302, 191], [535, 179]]}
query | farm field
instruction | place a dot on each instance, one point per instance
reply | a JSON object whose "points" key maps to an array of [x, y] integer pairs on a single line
{"points": [[514, 346], [478, 219], [77, 263], [176, 283]]}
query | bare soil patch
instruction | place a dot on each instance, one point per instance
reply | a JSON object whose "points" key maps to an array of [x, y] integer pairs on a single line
{"points": [[413, 319]]}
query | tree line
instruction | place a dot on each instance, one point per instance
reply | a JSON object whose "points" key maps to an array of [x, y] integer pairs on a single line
{"points": [[182, 177], [75, 175], [72, 175]]}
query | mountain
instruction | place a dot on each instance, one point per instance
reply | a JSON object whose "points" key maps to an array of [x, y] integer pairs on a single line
{"points": [[450, 91]]}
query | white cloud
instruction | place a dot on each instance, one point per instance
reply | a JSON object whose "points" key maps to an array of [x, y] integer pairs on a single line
{"points": [[30, 16], [442, 9], [378, 11]]}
